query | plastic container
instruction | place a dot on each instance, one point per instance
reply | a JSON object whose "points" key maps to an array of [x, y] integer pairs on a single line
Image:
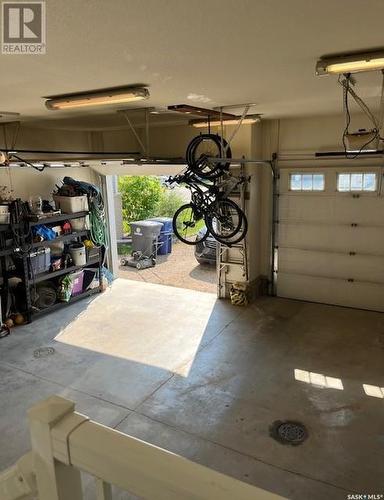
{"points": [[77, 282], [80, 224], [56, 247], [4, 214], [78, 254], [93, 252], [144, 236], [71, 204], [165, 237], [5, 218], [36, 205], [40, 261]]}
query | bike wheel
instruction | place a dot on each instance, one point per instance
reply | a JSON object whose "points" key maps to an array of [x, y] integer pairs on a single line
{"points": [[203, 147], [238, 236], [224, 219], [187, 223]]}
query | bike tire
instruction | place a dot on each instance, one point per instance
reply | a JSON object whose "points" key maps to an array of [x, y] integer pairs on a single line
{"points": [[239, 236], [202, 167], [194, 219], [220, 222]]}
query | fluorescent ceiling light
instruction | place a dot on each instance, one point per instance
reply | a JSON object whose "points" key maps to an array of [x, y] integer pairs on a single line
{"points": [[98, 98], [351, 63], [217, 123]]}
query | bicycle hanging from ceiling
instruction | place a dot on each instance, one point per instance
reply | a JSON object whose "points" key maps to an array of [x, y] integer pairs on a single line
{"points": [[210, 211]]}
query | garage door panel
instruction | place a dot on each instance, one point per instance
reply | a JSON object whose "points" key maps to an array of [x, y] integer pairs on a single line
{"points": [[368, 240], [330, 244], [339, 208], [341, 266], [331, 291]]}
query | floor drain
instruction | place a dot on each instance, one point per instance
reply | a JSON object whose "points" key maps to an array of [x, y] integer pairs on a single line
{"points": [[43, 352], [288, 432]]}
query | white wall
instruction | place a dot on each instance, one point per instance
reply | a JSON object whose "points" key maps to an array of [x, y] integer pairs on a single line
{"points": [[321, 133], [173, 141], [25, 181], [45, 138], [121, 140]]}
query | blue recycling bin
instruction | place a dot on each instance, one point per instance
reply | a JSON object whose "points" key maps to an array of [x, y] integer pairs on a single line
{"points": [[165, 237]]}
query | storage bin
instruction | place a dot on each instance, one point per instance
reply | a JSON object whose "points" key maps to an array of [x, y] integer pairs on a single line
{"points": [[165, 237], [40, 261], [77, 282], [56, 248], [93, 253], [144, 237], [71, 204], [5, 218], [80, 224]]}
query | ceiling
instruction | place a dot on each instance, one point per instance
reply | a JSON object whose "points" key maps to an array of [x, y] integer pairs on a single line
{"points": [[201, 52]]}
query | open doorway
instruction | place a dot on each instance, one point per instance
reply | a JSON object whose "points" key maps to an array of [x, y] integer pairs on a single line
{"points": [[146, 203]]}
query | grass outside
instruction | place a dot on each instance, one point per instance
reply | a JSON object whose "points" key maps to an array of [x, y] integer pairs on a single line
{"points": [[186, 231], [124, 249]]}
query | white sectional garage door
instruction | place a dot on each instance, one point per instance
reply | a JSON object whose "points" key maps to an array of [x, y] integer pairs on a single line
{"points": [[330, 236]]}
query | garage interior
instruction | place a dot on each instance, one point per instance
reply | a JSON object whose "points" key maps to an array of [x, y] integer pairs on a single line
{"points": [[199, 375]]}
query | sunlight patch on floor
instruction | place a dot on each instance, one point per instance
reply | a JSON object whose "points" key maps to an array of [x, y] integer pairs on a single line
{"points": [[150, 324]]}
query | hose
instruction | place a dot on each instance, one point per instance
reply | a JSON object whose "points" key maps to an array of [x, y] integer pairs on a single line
{"points": [[99, 234], [97, 217]]}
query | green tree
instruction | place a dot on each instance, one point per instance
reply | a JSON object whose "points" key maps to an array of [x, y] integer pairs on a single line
{"points": [[168, 203], [140, 197]]}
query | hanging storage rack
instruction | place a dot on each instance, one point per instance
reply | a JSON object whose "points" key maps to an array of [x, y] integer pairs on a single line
{"points": [[222, 115]]}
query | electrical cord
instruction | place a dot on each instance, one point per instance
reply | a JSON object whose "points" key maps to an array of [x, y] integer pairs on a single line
{"points": [[39, 169], [347, 90]]}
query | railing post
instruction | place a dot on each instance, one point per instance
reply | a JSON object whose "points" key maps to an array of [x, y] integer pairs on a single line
{"points": [[19, 481], [103, 490], [55, 480]]}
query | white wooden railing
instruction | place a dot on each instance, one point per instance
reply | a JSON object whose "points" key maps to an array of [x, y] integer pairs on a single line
{"points": [[64, 443]]}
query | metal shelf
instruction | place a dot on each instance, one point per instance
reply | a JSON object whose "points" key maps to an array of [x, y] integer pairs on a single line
{"points": [[50, 275], [63, 237], [24, 270], [60, 305], [58, 218], [7, 251]]}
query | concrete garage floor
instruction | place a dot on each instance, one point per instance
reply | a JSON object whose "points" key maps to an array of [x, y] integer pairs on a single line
{"points": [[180, 269], [196, 376]]}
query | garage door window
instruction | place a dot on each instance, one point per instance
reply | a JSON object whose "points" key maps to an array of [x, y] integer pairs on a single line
{"points": [[306, 182], [356, 182]]}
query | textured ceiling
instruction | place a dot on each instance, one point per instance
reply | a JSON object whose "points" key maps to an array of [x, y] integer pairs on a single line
{"points": [[201, 52]]}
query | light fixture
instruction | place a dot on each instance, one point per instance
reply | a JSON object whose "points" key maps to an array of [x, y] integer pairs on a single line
{"points": [[117, 95], [8, 114], [217, 123], [351, 63]]}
